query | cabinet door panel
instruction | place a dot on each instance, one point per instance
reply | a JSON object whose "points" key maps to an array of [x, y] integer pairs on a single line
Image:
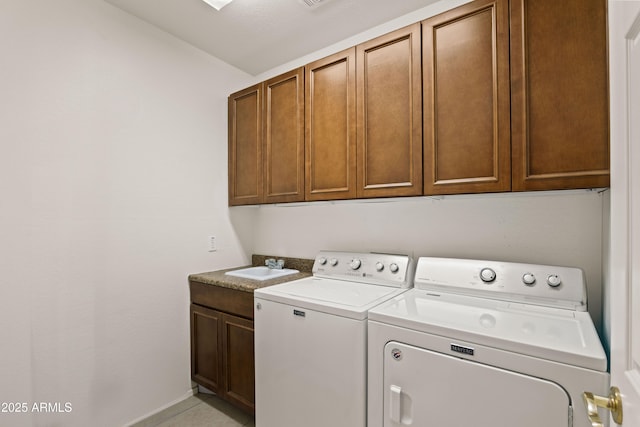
{"points": [[559, 94], [330, 151], [205, 357], [466, 111], [245, 146], [389, 121], [284, 138], [239, 361]]}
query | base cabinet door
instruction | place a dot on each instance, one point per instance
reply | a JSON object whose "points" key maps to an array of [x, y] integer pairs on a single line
{"points": [[559, 86], [205, 343], [238, 361], [222, 355], [465, 54]]}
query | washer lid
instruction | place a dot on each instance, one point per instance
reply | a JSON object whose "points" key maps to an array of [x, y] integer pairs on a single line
{"points": [[560, 335], [339, 297]]}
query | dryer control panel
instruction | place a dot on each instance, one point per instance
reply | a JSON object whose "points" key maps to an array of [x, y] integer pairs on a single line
{"points": [[369, 267], [544, 285]]}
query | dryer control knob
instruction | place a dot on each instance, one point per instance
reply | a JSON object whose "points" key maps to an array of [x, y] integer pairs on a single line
{"points": [[333, 262], [393, 267], [487, 275], [355, 264], [379, 266], [529, 279], [322, 260], [554, 281]]}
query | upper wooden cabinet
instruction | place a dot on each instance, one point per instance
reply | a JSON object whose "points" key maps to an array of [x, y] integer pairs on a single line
{"points": [[266, 141], [330, 127], [245, 146], [389, 115], [492, 96], [559, 86], [465, 55], [284, 138]]}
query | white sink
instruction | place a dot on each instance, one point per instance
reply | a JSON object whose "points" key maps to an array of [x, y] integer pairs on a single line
{"points": [[261, 273]]}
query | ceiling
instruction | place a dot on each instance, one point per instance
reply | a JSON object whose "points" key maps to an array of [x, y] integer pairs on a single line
{"points": [[258, 35]]}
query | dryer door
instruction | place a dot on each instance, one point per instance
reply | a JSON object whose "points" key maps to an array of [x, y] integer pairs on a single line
{"points": [[425, 388]]}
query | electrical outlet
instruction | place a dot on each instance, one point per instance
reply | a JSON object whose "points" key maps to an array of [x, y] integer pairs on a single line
{"points": [[212, 244]]}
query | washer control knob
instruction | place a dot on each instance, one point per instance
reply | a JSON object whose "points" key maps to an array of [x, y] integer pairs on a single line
{"points": [[554, 280], [322, 260], [379, 266], [393, 267], [487, 275], [529, 279], [333, 262], [355, 264]]}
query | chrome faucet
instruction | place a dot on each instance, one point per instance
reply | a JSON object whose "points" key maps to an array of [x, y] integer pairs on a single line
{"points": [[272, 263]]}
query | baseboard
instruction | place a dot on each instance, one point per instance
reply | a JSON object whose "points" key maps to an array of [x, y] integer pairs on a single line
{"points": [[192, 392]]}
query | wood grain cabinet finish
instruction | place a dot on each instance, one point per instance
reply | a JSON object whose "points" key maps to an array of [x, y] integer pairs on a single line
{"points": [[465, 55], [266, 141], [284, 138], [222, 345], [238, 362], [492, 96], [245, 146], [559, 84], [330, 127], [389, 115], [205, 354]]}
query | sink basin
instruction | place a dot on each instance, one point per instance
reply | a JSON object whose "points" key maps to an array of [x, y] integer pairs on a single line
{"points": [[261, 273]]}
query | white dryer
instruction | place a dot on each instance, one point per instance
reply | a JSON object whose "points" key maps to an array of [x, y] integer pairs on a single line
{"points": [[310, 339], [484, 344]]}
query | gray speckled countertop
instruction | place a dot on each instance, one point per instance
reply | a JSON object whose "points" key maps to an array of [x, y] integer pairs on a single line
{"points": [[219, 278]]}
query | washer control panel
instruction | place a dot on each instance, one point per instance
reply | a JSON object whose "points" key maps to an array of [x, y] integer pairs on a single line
{"points": [[553, 286], [375, 268]]}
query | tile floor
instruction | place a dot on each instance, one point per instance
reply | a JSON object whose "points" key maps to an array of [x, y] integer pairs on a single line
{"points": [[199, 411]]}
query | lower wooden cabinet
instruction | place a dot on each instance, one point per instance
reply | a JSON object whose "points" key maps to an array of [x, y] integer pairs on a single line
{"points": [[222, 350], [205, 348], [238, 362]]}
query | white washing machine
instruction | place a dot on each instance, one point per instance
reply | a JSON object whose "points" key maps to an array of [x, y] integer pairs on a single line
{"points": [[311, 339], [485, 344]]}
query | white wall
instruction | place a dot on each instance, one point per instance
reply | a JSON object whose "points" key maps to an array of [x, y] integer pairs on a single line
{"points": [[113, 171], [556, 228], [400, 22]]}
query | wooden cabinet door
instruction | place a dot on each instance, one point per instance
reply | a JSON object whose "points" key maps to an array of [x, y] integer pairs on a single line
{"points": [[389, 119], [283, 116], [238, 361], [245, 146], [466, 99], [560, 115], [330, 127], [206, 362]]}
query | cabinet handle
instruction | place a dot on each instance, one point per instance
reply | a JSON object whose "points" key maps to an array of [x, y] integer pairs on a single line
{"points": [[613, 403]]}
